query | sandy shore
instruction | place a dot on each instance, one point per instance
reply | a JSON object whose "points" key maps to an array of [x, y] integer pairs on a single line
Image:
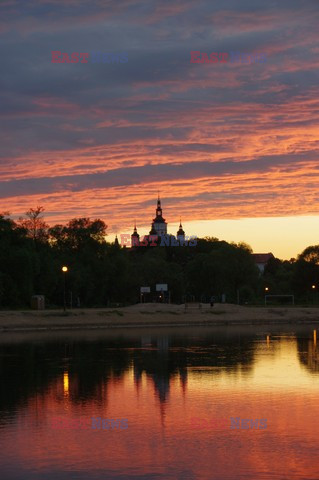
{"points": [[155, 315]]}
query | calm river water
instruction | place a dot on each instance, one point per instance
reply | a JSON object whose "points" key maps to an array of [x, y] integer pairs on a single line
{"points": [[172, 395]]}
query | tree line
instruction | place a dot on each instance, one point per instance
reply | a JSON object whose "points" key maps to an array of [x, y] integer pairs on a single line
{"points": [[101, 273]]}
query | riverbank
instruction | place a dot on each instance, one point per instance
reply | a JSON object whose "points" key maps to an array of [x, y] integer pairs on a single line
{"points": [[155, 315]]}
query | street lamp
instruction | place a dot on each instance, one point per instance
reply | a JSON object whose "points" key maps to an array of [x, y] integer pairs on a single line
{"points": [[266, 291], [314, 293], [64, 270]]}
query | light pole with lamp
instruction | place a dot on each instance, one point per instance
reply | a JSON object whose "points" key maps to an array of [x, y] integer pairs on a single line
{"points": [[64, 271], [266, 291]]}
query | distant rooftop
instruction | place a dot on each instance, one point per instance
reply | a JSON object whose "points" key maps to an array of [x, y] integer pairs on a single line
{"points": [[262, 257]]}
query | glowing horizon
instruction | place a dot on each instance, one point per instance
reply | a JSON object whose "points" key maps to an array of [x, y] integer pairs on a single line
{"points": [[274, 237], [233, 148]]}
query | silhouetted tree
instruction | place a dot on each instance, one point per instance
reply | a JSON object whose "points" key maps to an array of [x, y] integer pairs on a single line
{"points": [[36, 227], [100, 273]]}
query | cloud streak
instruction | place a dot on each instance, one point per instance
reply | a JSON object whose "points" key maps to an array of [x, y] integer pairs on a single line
{"points": [[219, 141]]}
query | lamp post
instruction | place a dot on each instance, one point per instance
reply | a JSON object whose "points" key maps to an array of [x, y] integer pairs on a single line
{"points": [[266, 291], [314, 295], [64, 270]]}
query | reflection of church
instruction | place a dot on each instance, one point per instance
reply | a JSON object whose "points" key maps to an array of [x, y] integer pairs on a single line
{"points": [[159, 227]]}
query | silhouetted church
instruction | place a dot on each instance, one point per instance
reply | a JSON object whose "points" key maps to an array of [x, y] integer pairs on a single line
{"points": [[159, 227]]}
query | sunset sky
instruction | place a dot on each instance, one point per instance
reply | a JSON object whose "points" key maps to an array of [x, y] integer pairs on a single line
{"points": [[232, 148]]}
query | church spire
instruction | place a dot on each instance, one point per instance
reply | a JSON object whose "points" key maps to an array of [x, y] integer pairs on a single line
{"points": [[180, 232], [159, 208], [159, 226], [135, 237]]}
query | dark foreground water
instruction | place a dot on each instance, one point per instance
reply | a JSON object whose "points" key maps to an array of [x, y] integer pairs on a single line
{"points": [[167, 388]]}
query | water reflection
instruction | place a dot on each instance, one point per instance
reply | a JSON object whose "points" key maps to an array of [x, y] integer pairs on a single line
{"points": [[159, 380], [308, 352], [85, 368]]}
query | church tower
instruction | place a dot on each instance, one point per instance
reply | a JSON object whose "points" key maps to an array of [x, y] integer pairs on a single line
{"points": [[159, 226], [180, 235], [135, 238]]}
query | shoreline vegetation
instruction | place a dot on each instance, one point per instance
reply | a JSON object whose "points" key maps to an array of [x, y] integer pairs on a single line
{"points": [[74, 265], [156, 315]]}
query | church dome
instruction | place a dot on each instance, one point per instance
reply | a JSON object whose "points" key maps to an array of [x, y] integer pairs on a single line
{"points": [[180, 232]]}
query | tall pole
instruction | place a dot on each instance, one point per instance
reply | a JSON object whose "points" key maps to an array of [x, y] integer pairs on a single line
{"points": [[64, 270], [64, 299]]}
